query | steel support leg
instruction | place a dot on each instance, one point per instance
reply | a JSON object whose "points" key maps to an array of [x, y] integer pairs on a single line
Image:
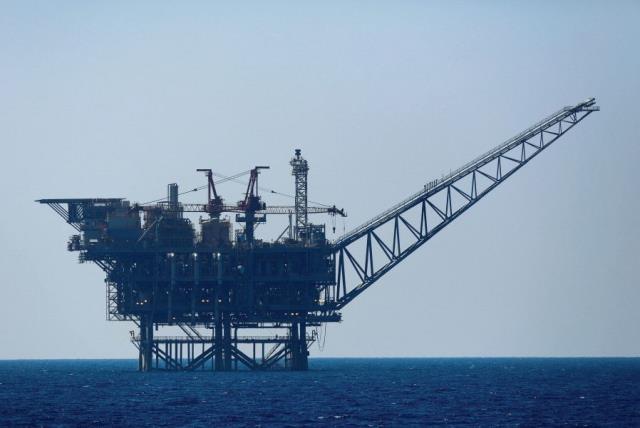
{"points": [[298, 354], [302, 344], [145, 358], [226, 339], [217, 341], [218, 363]]}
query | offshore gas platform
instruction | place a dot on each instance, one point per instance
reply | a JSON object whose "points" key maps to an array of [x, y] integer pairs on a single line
{"points": [[161, 272]]}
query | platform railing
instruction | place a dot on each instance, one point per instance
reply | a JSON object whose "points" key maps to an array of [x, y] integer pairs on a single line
{"points": [[209, 339]]}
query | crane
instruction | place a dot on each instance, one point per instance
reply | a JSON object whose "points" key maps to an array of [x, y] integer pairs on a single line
{"points": [[439, 203], [250, 210], [160, 272]]}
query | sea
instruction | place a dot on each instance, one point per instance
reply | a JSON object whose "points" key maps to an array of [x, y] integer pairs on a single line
{"points": [[374, 392]]}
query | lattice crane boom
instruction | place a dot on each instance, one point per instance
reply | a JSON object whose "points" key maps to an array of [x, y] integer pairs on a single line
{"points": [[425, 213]]}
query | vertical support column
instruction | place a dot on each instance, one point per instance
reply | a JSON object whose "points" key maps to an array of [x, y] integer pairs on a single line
{"points": [[195, 290], [298, 354], [172, 197], [217, 317], [141, 347], [293, 345], [171, 288], [304, 353], [226, 326], [249, 226], [235, 345], [145, 357], [290, 226]]}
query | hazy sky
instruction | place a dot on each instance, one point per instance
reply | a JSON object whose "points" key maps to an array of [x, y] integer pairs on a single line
{"points": [[116, 99]]}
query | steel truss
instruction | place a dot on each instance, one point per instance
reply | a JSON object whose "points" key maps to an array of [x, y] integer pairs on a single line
{"points": [[300, 169], [371, 250], [196, 352]]}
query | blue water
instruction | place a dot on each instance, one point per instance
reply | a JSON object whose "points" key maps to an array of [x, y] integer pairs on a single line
{"points": [[335, 392]]}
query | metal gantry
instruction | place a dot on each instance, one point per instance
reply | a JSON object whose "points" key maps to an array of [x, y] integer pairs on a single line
{"points": [[161, 272]]}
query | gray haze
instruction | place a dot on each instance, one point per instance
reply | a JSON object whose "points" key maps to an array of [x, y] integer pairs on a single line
{"points": [[117, 99]]}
